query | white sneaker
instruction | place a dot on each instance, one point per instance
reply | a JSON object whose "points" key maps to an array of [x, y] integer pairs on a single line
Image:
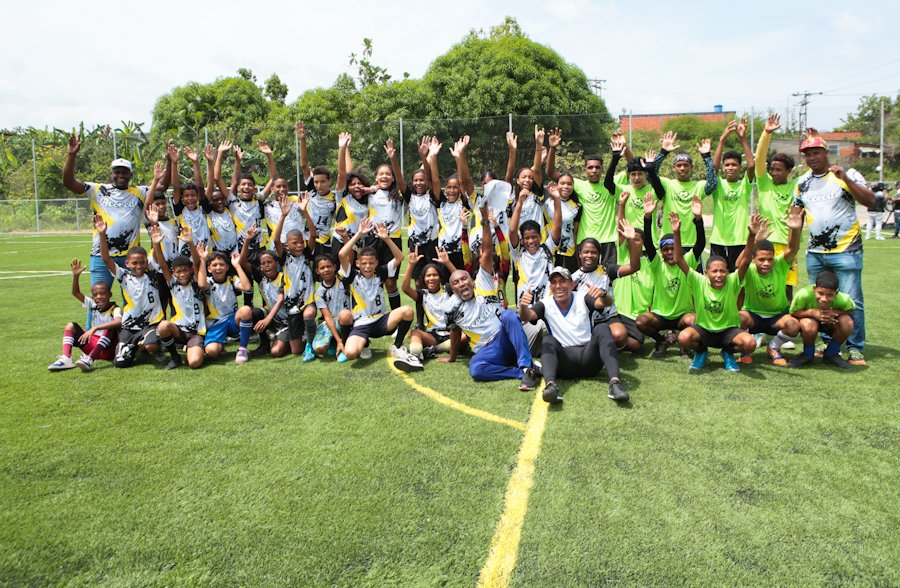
{"points": [[85, 363], [243, 356], [760, 339], [789, 345], [405, 361], [398, 352], [62, 363], [366, 353]]}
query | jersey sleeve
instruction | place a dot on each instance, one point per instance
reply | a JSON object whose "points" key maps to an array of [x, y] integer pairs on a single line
{"points": [[121, 273], [843, 302], [117, 312], [88, 303]]}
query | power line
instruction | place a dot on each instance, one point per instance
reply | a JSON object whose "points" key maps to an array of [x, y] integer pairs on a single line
{"points": [[804, 103], [597, 86]]}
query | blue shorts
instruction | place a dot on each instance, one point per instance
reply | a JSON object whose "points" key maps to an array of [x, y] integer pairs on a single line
{"points": [[219, 331]]}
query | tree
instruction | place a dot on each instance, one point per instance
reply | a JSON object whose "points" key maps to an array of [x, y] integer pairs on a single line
{"points": [[247, 74], [275, 89], [867, 118], [369, 74]]}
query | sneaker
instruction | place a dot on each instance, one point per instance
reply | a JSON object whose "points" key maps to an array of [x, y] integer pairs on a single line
{"points": [[85, 363], [173, 363], [777, 358], [242, 357], [760, 339], [856, 357], [331, 351], [789, 345], [617, 391], [552, 394], [62, 363], [341, 358], [405, 361], [260, 352], [799, 361], [698, 362], [820, 349], [124, 353], [308, 354], [428, 353], [686, 353], [366, 353], [837, 361], [746, 358], [529, 379], [659, 351], [730, 364]]}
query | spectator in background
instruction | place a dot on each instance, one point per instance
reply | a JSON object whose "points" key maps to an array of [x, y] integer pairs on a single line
{"points": [[876, 213], [897, 211]]}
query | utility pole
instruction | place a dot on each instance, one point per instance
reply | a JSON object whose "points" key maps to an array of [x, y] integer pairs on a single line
{"points": [[804, 102], [881, 147], [597, 86]]}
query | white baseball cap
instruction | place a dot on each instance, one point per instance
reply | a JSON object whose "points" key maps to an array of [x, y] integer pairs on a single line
{"points": [[120, 163]]}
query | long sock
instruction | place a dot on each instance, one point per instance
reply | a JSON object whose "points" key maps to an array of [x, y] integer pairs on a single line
{"points": [[310, 324], [809, 350], [778, 340], [169, 346], [248, 297], [832, 349], [245, 329], [415, 346], [345, 332], [443, 347], [102, 343], [420, 315], [394, 299], [68, 342], [402, 329]]}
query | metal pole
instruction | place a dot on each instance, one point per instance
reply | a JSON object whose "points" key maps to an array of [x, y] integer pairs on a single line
{"points": [[510, 122], [297, 159], [401, 147], [205, 136], [752, 127], [37, 208], [115, 150], [881, 148], [629, 128]]}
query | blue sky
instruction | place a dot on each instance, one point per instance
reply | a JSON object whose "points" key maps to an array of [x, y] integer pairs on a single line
{"points": [[103, 61]]}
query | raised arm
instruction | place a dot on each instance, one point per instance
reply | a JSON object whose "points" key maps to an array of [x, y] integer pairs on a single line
{"points": [[757, 231], [556, 227], [273, 169], [77, 270], [236, 258], [620, 211], [745, 144], [462, 167], [224, 147], [174, 155], [712, 177], [700, 243], [668, 144], [486, 255], [158, 171], [236, 174], [343, 158], [633, 239], [194, 158], [537, 166], [68, 178], [395, 166], [762, 149], [300, 129], [209, 153], [649, 209], [286, 205], [675, 221], [406, 285], [512, 143], [731, 127], [795, 224], [652, 176], [303, 204], [423, 147], [524, 193], [431, 170], [383, 234], [346, 253], [156, 237], [554, 138], [201, 253], [617, 144], [100, 227]]}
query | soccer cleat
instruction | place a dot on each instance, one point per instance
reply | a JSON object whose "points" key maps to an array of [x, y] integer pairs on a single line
{"points": [[241, 357], [341, 358], [124, 353], [799, 361], [529, 379], [789, 345], [62, 363], [331, 351], [777, 358], [856, 357], [404, 360], [85, 363], [366, 353], [659, 351], [820, 349], [260, 351], [746, 358], [698, 362], [837, 361], [428, 353], [308, 354], [175, 362], [730, 364], [617, 391], [552, 394]]}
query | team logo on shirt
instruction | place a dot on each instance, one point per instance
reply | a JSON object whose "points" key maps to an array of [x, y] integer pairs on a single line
{"points": [[683, 196], [673, 285], [729, 194], [768, 292], [826, 238], [714, 306]]}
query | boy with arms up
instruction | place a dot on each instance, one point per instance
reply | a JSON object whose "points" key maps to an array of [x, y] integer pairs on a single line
{"points": [[221, 297], [323, 204], [99, 341], [820, 308], [731, 199]]}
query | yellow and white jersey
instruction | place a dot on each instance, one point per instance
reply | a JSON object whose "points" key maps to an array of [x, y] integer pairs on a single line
{"points": [[830, 212], [221, 298], [270, 290], [199, 224], [387, 211], [435, 305], [322, 208], [478, 318], [450, 229], [299, 289], [367, 296], [533, 268], [349, 214], [423, 219], [190, 311], [122, 210], [571, 211], [498, 195], [334, 297], [246, 214], [294, 221], [169, 231], [101, 317], [602, 277], [142, 306], [223, 235]]}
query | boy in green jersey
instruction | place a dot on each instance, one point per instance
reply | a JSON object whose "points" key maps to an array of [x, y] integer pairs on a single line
{"points": [[766, 306], [641, 180], [775, 193], [731, 200], [822, 309], [717, 322], [672, 308]]}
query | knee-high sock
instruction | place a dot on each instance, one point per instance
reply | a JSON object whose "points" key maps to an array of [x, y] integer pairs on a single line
{"points": [[345, 332], [245, 329], [102, 343], [68, 342], [310, 324], [402, 330], [169, 346], [394, 299]]}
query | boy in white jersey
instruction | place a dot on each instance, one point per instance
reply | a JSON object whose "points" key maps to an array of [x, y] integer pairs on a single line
{"points": [[186, 201], [323, 204], [187, 325], [366, 283], [142, 302], [270, 321], [222, 230], [333, 301], [99, 341], [295, 256], [221, 297], [533, 259]]}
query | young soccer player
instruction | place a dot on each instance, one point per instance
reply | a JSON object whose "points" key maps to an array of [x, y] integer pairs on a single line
{"points": [[717, 322], [186, 201], [671, 304], [142, 309], [527, 178], [766, 306], [632, 295], [353, 191], [571, 211], [99, 341], [532, 258], [156, 212], [270, 321], [221, 297], [333, 301], [435, 336], [453, 204], [323, 203], [423, 196], [295, 256], [731, 199], [223, 232], [367, 283], [821, 308]]}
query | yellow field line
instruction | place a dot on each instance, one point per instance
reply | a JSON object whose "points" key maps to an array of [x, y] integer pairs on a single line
{"points": [[455, 405], [501, 559]]}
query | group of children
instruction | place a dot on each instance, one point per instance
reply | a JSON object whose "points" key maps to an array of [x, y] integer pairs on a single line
{"points": [[326, 261]]}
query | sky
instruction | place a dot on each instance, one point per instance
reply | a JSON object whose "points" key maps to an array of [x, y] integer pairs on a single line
{"points": [[100, 61]]}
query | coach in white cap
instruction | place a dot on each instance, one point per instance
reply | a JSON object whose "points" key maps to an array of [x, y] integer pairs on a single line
{"points": [[573, 348]]}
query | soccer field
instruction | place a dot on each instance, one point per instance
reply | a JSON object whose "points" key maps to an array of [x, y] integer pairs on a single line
{"points": [[282, 473]]}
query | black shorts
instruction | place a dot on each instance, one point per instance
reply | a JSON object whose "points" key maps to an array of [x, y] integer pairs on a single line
{"points": [[630, 327], [277, 330], [385, 254], [373, 330], [667, 324], [718, 339], [570, 262], [296, 326], [762, 324], [729, 252]]}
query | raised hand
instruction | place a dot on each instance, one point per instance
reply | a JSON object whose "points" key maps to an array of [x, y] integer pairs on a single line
{"points": [[303, 201], [696, 206], [838, 171], [795, 218], [389, 148], [342, 231], [553, 190], [596, 293], [209, 152], [300, 130], [512, 140], [669, 141], [414, 257], [626, 230], [526, 299], [539, 134], [649, 204], [443, 257], [159, 170], [344, 140], [286, 204], [741, 128], [554, 137], [99, 224], [76, 267], [731, 127], [464, 215], [264, 147], [74, 145], [382, 232], [617, 143], [172, 152], [763, 231], [202, 252], [365, 225], [251, 232], [153, 216], [649, 158], [186, 234], [623, 197], [238, 153], [675, 221], [704, 146], [156, 236], [224, 146], [491, 217], [235, 259], [773, 123], [524, 193], [434, 147], [618, 135], [423, 146], [190, 154]]}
